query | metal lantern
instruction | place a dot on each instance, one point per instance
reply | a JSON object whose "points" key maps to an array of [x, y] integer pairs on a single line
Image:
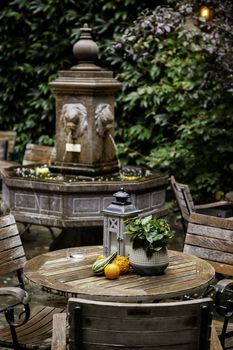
{"points": [[206, 12], [114, 224]]}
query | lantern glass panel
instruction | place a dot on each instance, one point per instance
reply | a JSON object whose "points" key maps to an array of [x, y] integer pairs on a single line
{"points": [[114, 244], [127, 244]]}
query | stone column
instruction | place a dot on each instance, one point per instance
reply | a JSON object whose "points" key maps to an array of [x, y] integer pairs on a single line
{"points": [[85, 97]]}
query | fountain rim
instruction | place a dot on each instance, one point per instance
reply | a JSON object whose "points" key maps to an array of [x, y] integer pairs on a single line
{"points": [[83, 186]]}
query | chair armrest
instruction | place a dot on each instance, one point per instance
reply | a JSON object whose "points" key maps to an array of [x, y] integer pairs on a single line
{"points": [[224, 297], [223, 284], [59, 332], [212, 205], [20, 294], [22, 299]]}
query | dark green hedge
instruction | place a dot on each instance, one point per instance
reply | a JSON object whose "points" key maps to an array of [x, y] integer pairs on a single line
{"points": [[177, 100], [36, 42], [174, 112]]}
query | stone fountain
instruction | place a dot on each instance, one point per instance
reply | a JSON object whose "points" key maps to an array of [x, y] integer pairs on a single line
{"points": [[81, 181]]}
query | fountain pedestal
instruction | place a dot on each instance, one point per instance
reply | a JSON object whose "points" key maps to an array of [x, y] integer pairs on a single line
{"points": [[85, 97]]}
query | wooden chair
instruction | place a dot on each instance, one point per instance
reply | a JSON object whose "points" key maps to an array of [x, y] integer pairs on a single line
{"points": [[35, 331], [186, 204], [7, 144], [3, 149], [39, 154], [209, 237], [96, 325], [10, 137]]}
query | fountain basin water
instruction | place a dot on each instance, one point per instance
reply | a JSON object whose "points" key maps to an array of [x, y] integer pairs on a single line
{"points": [[65, 200]]}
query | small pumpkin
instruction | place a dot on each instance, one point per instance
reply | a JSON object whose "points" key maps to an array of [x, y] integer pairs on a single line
{"points": [[112, 271], [122, 262]]}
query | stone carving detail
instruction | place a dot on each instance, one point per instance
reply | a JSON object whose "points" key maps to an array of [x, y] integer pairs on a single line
{"points": [[74, 117], [103, 119]]}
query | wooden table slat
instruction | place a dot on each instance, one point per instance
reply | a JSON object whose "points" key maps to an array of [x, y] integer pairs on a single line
{"points": [[55, 273]]}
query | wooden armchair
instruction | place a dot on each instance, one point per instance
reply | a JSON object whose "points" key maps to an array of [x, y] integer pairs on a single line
{"points": [[39, 154], [211, 238], [207, 236], [95, 325], [3, 149], [10, 137], [7, 144], [35, 330], [186, 204]]}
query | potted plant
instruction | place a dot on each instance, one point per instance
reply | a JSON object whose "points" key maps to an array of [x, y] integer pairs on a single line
{"points": [[149, 237]]}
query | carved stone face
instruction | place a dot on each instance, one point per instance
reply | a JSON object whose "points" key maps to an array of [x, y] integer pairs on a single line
{"points": [[74, 117], [103, 119]]}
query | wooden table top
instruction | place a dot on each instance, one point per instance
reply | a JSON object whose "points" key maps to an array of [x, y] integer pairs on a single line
{"points": [[55, 273]]}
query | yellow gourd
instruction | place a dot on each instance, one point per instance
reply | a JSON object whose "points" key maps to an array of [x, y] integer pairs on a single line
{"points": [[122, 262]]}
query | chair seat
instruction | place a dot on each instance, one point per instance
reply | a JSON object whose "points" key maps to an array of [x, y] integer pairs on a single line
{"points": [[39, 324], [218, 324]]}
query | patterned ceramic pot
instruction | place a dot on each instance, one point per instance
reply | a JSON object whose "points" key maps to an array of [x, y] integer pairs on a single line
{"points": [[156, 265]]}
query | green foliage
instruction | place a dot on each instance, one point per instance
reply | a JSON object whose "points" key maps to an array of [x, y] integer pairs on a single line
{"points": [[36, 42], [177, 101], [175, 109], [150, 234]]}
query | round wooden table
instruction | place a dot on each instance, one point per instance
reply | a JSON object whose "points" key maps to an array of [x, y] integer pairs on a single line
{"points": [[57, 272]]}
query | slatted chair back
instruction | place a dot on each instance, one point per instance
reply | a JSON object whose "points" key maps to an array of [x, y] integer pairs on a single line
{"points": [[10, 136], [12, 255], [39, 154], [36, 333], [95, 325], [3, 149], [187, 207], [210, 238], [184, 200]]}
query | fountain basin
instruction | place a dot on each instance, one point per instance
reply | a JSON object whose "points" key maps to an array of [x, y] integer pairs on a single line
{"points": [[78, 201]]}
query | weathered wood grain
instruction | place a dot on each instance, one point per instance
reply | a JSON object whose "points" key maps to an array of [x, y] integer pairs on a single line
{"points": [[38, 330], [210, 231], [214, 340], [59, 332], [213, 221], [216, 244], [108, 325], [185, 205], [10, 136], [55, 273], [3, 149], [38, 154]]}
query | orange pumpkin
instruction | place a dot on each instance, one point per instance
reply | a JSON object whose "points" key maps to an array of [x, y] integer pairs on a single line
{"points": [[112, 271]]}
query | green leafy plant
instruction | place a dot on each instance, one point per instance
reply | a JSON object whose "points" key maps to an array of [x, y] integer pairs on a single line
{"points": [[38, 44], [176, 104], [150, 234]]}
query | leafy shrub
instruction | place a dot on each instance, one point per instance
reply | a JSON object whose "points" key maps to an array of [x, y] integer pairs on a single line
{"points": [[36, 42], [177, 94]]}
